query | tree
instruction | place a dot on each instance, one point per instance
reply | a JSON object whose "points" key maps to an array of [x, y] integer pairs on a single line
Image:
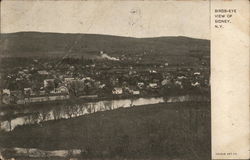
{"points": [[72, 111], [50, 86], [32, 118], [56, 113], [75, 87], [44, 115]]}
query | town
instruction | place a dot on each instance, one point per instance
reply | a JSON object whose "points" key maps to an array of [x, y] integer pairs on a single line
{"points": [[49, 79]]}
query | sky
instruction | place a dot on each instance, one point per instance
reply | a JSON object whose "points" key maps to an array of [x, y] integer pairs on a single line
{"points": [[122, 18]]}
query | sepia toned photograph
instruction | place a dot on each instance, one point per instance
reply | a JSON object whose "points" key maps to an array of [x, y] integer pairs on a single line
{"points": [[113, 80]]}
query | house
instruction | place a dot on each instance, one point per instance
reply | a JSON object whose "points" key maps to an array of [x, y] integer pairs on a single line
{"points": [[153, 85], [181, 77], [21, 72], [5, 98], [135, 92], [132, 90], [102, 86], [140, 84], [25, 70], [197, 73], [195, 84], [152, 71], [47, 81], [16, 96], [165, 82], [62, 89], [69, 79], [6, 91], [19, 79], [27, 91], [43, 72], [42, 93], [87, 78], [132, 72], [178, 83], [16, 93], [20, 101], [117, 91]]}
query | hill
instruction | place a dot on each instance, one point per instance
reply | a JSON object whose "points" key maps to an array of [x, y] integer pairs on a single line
{"points": [[27, 44]]}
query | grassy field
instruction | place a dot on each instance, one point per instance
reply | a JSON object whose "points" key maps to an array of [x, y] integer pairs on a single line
{"points": [[159, 131]]}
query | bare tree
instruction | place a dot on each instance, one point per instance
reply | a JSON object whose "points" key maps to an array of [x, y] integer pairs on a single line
{"points": [[32, 118], [43, 115], [76, 110], [10, 126], [82, 109], [89, 109], [69, 111], [56, 113]]}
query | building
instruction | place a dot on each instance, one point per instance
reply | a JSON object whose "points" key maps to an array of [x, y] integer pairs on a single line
{"points": [[45, 98], [69, 79], [140, 85], [197, 73], [165, 82], [135, 92], [178, 83], [6, 91], [42, 93], [27, 91], [195, 84], [47, 81], [62, 89], [16, 96], [5, 98], [43, 72], [117, 91], [153, 85]]}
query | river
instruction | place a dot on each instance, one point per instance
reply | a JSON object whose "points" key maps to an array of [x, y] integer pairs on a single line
{"points": [[70, 111]]}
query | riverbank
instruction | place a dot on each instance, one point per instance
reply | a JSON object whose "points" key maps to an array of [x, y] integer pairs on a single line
{"points": [[69, 110], [12, 109], [171, 130], [75, 100]]}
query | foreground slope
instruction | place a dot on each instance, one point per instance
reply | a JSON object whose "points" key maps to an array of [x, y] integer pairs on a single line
{"points": [[175, 130]]}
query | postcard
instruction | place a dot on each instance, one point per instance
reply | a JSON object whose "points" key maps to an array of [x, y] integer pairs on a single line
{"points": [[129, 80]]}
